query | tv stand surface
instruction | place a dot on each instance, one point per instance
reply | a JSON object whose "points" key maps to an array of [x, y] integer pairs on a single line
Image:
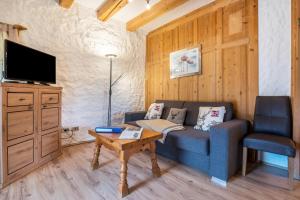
{"points": [[47, 84], [6, 81], [26, 85], [27, 82]]}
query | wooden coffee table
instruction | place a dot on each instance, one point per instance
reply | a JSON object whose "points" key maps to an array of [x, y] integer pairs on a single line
{"points": [[125, 148]]}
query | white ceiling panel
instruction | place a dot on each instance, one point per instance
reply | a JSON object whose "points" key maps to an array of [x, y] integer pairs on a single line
{"points": [[132, 10], [93, 4]]}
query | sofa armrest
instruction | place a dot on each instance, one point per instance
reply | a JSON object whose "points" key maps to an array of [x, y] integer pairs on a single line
{"points": [[134, 116], [226, 148]]}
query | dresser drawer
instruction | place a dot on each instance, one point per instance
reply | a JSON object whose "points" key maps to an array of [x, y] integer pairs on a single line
{"points": [[50, 98], [20, 155], [19, 99], [20, 124], [50, 143], [50, 118]]}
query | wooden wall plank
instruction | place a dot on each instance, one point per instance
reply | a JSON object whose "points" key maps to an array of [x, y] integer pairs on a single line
{"points": [[234, 65], [252, 71], [207, 81], [296, 81], [186, 40]]}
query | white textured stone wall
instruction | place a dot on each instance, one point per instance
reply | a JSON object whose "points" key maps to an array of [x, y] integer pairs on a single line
{"points": [[275, 55], [79, 41]]}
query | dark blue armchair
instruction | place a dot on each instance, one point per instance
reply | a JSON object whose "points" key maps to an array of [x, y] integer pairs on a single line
{"points": [[272, 131]]}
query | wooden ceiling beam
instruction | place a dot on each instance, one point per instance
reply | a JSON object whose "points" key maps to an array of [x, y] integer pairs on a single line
{"points": [[109, 8], [162, 7], [66, 3]]}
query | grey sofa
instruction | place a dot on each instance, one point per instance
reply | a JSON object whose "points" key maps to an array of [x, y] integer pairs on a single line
{"points": [[217, 152]]}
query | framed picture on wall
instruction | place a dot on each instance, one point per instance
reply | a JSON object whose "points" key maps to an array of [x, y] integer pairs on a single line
{"points": [[185, 62]]}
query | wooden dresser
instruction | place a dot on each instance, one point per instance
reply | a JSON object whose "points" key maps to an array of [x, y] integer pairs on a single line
{"points": [[31, 125]]}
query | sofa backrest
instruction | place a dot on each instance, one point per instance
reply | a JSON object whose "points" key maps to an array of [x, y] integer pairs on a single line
{"points": [[273, 115], [168, 104], [193, 109]]}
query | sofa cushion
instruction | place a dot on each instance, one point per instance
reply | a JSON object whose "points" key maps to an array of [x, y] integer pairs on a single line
{"points": [[177, 115], [190, 140], [168, 104], [193, 110], [209, 116], [154, 111], [271, 143]]}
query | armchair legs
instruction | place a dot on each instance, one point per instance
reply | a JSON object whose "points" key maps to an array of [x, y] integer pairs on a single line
{"points": [[290, 167], [245, 154], [291, 173]]}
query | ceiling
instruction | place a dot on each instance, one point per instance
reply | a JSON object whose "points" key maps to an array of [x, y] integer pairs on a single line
{"points": [[136, 7]]}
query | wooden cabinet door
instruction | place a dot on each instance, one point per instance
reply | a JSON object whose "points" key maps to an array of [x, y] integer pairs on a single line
{"points": [[50, 118], [20, 155], [50, 143], [20, 124]]}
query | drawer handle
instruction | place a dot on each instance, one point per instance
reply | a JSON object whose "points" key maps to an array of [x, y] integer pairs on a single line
{"points": [[21, 99], [51, 98]]}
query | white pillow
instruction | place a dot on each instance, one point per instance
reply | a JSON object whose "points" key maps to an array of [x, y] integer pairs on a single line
{"points": [[209, 116], [155, 111]]}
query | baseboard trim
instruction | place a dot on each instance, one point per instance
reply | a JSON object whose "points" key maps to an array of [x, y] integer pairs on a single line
{"points": [[219, 181]]}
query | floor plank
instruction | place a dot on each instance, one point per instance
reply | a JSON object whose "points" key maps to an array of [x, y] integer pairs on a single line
{"points": [[70, 177]]}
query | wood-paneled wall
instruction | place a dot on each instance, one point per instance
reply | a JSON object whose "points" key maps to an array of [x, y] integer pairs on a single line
{"points": [[226, 30]]}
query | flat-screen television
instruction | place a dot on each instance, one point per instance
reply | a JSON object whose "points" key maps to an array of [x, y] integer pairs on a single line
{"points": [[27, 64]]}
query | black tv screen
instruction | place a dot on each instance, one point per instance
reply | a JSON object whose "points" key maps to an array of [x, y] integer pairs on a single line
{"points": [[27, 64]]}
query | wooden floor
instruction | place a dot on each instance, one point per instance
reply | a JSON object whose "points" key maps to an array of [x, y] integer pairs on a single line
{"points": [[70, 177]]}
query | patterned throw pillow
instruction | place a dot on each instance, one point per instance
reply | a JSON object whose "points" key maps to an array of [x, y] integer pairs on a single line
{"points": [[154, 111], [209, 116], [177, 115]]}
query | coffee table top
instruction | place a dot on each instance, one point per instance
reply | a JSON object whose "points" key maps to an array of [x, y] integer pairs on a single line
{"points": [[112, 139]]}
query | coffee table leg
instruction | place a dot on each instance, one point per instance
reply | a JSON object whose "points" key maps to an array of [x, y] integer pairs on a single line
{"points": [[123, 186], [95, 161], [155, 167]]}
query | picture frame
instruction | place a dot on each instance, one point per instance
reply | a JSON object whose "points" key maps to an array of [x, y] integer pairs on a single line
{"points": [[185, 62]]}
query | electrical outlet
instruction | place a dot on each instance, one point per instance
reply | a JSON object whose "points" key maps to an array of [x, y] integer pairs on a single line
{"points": [[65, 130], [75, 128]]}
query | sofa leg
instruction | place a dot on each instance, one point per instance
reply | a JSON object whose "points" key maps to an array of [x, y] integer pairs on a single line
{"points": [[218, 181], [244, 169], [291, 173]]}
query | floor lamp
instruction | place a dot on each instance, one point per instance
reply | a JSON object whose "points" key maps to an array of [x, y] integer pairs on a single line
{"points": [[111, 57], [111, 84]]}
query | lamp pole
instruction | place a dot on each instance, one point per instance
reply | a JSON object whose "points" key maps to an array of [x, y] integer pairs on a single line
{"points": [[110, 56]]}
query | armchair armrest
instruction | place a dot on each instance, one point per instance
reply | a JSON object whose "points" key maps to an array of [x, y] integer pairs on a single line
{"points": [[226, 148], [134, 116]]}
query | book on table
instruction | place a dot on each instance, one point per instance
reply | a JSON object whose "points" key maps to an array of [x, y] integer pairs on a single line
{"points": [[107, 129], [131, 133]]}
